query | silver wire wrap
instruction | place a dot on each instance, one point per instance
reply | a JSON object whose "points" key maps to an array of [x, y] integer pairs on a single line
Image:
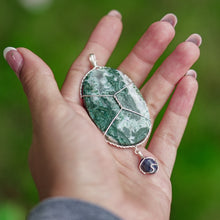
{"points": [[93, 61]]}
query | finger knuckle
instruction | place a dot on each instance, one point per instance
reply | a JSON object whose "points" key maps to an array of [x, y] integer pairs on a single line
{"points": [[168, 138]]}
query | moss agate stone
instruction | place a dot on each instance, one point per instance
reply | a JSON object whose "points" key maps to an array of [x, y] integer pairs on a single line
{"points": [[116, 106]]}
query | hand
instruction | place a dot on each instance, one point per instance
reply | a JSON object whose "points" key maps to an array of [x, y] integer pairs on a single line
{"points": [[69, 156]]}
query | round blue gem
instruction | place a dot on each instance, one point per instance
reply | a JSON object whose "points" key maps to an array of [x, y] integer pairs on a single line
{"points": [[148, 165]]}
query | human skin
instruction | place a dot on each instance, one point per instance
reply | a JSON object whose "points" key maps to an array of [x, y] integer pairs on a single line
{"points": [[69, 156]]}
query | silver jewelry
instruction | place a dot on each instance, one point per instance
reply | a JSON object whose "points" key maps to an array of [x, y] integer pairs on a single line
{"points": [[118, 109]]}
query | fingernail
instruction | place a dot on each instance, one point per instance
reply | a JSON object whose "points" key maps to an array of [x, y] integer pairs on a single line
{"points": [[170, 18], [115, 13], [14, 59], [195, 38], [191, 73]]}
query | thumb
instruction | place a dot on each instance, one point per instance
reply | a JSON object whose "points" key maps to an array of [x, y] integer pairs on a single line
{"points": [[36, 77]]}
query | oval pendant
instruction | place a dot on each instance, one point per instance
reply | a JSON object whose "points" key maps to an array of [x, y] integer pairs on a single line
{"points": [[116, 106]]}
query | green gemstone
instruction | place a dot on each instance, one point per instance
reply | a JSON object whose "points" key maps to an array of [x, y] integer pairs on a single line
{"points": [[116, 106]]}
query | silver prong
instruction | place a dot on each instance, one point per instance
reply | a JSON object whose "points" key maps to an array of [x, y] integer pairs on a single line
{"points": [[92, 60]]}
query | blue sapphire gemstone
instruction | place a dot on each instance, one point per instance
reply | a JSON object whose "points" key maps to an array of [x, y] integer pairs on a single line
{"points": [[148, 165]]}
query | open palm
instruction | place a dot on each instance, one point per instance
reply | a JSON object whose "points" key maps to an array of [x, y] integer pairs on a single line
{"points": [[69, 155]]}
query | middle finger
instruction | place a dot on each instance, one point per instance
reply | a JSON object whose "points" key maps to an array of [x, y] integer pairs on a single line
{"points": [[148, 49]]}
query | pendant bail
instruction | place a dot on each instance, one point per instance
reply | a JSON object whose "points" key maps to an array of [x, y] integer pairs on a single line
{"points": [[138, 152], [92, 59]]}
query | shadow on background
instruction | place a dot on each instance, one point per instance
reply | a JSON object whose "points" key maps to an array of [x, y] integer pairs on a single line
{"points": [[57, 33]]}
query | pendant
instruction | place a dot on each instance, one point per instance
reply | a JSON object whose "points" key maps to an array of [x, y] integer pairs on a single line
{"points": [[118, 109]]}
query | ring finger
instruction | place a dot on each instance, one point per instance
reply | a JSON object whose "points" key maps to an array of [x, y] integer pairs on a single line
{"points": [[160, 86]]}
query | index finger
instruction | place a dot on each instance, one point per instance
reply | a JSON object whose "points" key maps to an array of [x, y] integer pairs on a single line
{"points": [[102, 42]]}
